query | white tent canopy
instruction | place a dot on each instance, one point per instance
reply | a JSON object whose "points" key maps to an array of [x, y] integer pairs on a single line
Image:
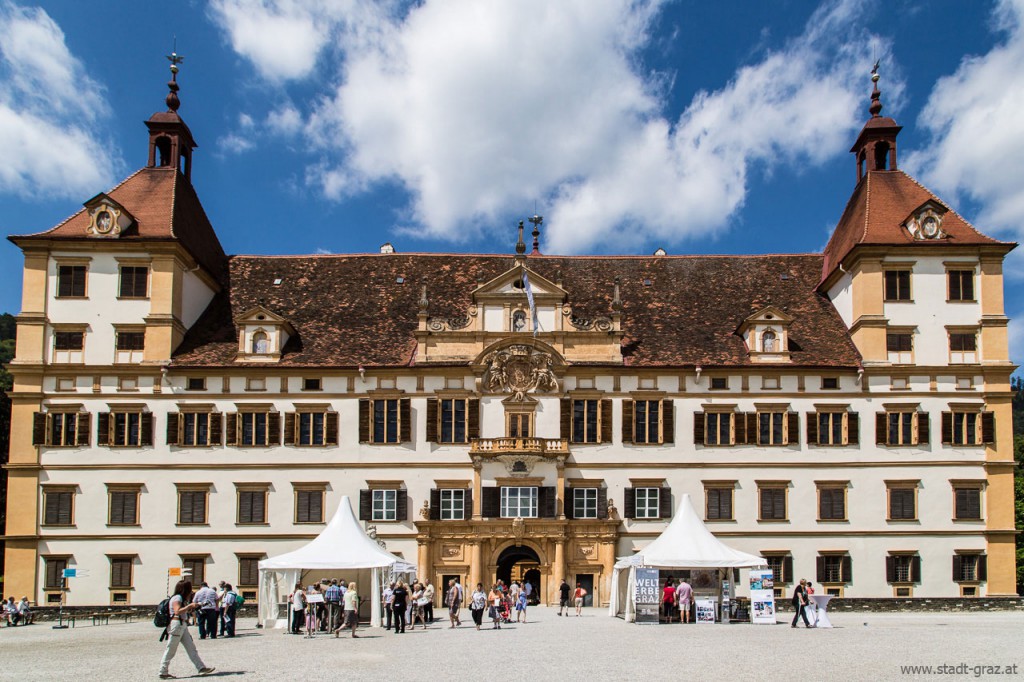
{"points": [[344, 546], [685, 544]]}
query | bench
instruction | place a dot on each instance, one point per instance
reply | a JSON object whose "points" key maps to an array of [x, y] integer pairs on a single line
{"points": [[103, 617], [127, 615]]}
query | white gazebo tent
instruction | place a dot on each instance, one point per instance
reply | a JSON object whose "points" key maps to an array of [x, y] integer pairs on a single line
{"points": [[342, 546], [685, 544]]}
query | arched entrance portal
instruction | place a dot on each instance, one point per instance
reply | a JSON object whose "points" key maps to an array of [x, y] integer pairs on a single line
{"points": [[519, 564]]}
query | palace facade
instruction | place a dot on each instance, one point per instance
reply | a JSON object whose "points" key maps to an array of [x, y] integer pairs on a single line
{"points": [[845, 414]]}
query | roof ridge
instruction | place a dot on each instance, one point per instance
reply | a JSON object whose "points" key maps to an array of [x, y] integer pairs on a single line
{"points": [[70, 217], [807, 254]]}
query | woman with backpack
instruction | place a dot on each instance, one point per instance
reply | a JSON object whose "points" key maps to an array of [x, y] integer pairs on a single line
{"points": [[179, 607]]}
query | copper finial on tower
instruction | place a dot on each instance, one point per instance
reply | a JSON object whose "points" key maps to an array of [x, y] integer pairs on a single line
{"points": [[876, 94], [536, 220], [520, 244], [172, 97]]}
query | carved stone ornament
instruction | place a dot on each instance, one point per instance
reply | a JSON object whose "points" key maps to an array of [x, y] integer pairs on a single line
{"points": [[613, 513], [518, 465], [518, 530], [927, 224], [588, 324], [519, 370], [425, 510], [446, 324], [104, 221]]}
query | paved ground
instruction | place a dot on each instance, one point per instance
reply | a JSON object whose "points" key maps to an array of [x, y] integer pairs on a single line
{"points": [[861, 647]]}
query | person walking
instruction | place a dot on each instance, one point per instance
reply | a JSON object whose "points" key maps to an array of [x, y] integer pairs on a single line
{"points": [[478, 604], [578, 597], [454, 603], [684, 597], [399, 600], [206, 604], [177, 631], [418, 602], [494, 606], [800, 603], [563, 597], [298, 601], [428, 606], [351, 611], [387, 598], [462, 600]]}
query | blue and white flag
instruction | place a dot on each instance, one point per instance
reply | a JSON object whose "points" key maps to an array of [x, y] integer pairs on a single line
{"points": [[533, 307]]}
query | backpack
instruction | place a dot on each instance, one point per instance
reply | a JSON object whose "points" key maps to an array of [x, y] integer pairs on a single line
{"points": [[239, 599], [162, 617]]}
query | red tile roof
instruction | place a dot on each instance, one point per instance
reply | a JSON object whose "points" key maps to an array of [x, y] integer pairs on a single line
{"points": [[350, 310], [165, 207], [876, 211]]}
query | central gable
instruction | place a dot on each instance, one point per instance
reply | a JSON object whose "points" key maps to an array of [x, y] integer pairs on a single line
{"points": [[511, 286]]}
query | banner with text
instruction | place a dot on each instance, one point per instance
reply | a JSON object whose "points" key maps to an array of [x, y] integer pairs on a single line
{"points": [[762, 596], [648, 595]]}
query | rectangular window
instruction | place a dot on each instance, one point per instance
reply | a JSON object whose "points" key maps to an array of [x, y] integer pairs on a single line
{"points": [[71, 281], [312, 385], [63, 429], [966, 567], [773, 503], [124, 507], [195, 429], [903, 568], [963, 347], [833, 568], [453, 505], [719, 383], [58, 507], [897, 285], [832, 503], [121, 572], [195, 384], [777, 563], [253, 427], [55, 572], [385, 421], [311, 427], [830, 428], [309, 505], [134, 281], [519, 424], [68, 346], [584, 503], [195, 567], [961, 285], [585, 428], [125, 429], [829, 383], [385, 505], [902, 504], [719, 503], [967, 503], [718, 428], [771, 428], [454, 420], [900, 347], [519, 503], [248, 571], [966, 430], [648, 503], [129, 346], [252, 506], [647, 421], [901, 428], [192, 507]]}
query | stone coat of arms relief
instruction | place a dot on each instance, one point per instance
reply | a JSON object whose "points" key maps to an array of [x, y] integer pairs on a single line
{"points": [[519, 370]]}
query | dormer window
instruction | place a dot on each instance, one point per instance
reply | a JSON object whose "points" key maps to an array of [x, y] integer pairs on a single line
{"points": [[260, 343], [766, 334], [768, 342]]}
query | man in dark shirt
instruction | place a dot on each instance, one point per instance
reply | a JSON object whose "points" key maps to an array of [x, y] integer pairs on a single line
{"points": [[400, 601], [563, 596], [800, 603]]}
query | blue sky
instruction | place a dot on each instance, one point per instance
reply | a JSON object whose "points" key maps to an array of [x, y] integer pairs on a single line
{"points": [[337, 125]]}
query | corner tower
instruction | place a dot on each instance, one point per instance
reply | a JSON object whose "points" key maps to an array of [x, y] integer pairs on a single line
{"points": [[170, 141]]}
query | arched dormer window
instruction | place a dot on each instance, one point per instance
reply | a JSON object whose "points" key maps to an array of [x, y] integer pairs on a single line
{"points": [[769, 342], [519, 321], [260, 343]]}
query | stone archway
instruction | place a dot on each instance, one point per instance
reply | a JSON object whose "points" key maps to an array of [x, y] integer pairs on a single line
{"points": [[525, 560]]}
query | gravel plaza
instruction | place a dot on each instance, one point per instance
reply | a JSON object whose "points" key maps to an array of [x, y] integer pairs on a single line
{"points": [[862, 646]]}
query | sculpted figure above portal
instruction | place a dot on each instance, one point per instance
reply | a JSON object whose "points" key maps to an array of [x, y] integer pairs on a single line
{"points": [[519, 370]]}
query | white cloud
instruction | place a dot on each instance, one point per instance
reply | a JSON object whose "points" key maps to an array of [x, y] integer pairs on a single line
{"points": [[241, 139], [479, 109], [285, 120], [48, 111], [976, 145]]}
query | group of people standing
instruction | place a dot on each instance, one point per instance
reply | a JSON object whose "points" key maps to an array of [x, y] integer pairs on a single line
{"points": [[677, 600], [216, 609], [405, 604], [330, 605]]}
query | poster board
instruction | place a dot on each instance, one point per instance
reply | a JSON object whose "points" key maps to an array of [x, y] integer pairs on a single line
{"points": [[315, 598], [762, 596], [648, 596], [705, 610]]}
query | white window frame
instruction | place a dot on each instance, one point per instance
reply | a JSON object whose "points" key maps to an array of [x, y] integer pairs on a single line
{"points": [[384, 505], [453, 504], [519, 502], [650, 508], [584, 503]]}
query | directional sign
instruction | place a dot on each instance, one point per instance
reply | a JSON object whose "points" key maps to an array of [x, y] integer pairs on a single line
{"points": [[76, 573], [174, 572]]}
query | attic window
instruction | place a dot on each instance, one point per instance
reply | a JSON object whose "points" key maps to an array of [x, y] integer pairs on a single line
{"points": [[659, 252], [261, 317], [518, 284], [769, 316], [647, 282], [277, 283], [400, 280]]}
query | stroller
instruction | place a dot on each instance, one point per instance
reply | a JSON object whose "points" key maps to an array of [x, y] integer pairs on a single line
{"points": [[505, 611]]}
